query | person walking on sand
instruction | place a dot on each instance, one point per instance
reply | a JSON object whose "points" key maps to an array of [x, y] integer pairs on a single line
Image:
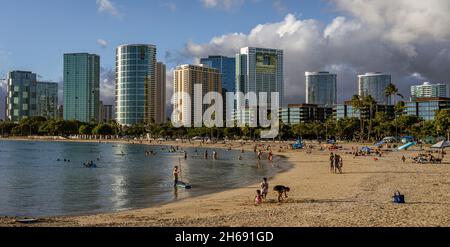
{"points": [[264, 188], [340, 164], [175, 173], [332, 163], [403, 158]]}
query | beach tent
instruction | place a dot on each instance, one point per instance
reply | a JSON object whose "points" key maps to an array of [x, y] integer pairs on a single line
{"points": [[407, 145], [407, 139], [441, 145], [366, 149], [389, 139]]}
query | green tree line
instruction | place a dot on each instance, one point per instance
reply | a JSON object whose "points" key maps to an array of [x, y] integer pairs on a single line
{"points": [[369, 128]]}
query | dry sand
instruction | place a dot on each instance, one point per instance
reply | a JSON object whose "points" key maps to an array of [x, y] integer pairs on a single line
{"points": [[359, 197]]}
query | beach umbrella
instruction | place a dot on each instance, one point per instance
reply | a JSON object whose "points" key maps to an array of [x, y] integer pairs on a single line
{"points": [[441, 145]]}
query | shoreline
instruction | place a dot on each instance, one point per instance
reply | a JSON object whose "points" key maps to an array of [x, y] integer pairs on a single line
{"points": [[146, 143], [359, 197]]}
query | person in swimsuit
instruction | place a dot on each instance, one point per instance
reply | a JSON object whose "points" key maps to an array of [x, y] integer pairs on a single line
{"points": [[264, 188], [258, 198], [175, 173]]}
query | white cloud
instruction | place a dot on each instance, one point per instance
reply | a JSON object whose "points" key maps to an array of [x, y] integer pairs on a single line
{"points": [[103, 43], [107, 6], [107, 85], [223, 4], [171, 6], [400, 37]]}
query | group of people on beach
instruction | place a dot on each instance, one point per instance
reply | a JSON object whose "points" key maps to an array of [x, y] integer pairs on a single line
{"points": [[336, 163], [261, 194]]}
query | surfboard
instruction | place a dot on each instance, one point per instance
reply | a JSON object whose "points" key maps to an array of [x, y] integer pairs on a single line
{"points": [[184, 185], [26, 221]]}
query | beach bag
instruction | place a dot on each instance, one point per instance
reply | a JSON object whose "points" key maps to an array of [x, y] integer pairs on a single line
{"points": [[398, 198]]}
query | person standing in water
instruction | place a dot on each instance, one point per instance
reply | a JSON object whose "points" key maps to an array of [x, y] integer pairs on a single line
{"points": [[206, 154], [185, 155], [175, 173]]}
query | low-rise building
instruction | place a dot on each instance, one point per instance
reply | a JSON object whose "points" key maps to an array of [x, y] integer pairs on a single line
{"points": [[304, 113], [426, 108]]}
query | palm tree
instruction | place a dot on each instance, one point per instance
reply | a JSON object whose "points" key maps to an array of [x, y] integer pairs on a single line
{"points": [[369, 103], [391, 91], [358, 105]]}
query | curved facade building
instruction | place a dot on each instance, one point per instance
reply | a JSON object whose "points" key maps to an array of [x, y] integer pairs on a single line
{"points": [[135, 84], [374, 84], [321, 88]]}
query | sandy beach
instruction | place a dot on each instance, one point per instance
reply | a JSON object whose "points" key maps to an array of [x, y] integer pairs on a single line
{"points": [[359, 197]]}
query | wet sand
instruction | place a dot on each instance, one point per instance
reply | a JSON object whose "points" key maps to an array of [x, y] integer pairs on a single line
{"points": [[359, 197]]}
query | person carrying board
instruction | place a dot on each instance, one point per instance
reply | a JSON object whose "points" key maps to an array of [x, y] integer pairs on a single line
{"points": [[175, 173]]}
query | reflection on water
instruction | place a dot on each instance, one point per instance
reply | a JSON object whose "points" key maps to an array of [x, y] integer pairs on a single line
{"points": [[34, 183]]}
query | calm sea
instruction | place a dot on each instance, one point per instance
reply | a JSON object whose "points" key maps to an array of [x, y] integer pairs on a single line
{"points": [[34, 183]]}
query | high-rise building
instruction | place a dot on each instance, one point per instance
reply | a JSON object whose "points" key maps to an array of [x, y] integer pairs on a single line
{"points": [[135, 84], [428, 90], [160, 93], [321, 88], [21, 95], [374, 84], [3, 99], [108, 113], [186, 77], [227, 68], [105, 113], [258, 70], [81, 86], [100, 112], [47, 99], [60, 112], [26, 97]]}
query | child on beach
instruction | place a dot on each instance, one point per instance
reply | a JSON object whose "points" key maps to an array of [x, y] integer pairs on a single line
{"points": [[258, 198], [264, 188]]}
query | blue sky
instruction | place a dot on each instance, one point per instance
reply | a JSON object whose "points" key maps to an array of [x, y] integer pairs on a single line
{"points": [[37, 33], [346, 37]]}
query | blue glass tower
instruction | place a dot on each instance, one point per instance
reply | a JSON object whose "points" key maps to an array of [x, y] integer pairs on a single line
{"points": [[227, 67]]}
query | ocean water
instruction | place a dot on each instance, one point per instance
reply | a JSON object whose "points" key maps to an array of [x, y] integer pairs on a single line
{"points": [[34, 183]]}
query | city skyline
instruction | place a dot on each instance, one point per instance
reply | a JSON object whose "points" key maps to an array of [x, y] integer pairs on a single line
{"points": [[316, 35]]}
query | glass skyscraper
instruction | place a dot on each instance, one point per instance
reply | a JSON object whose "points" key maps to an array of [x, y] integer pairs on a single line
{"points": [[227, 68], [81, 86], [160, 93], [47, 99], [374, 84], [321, 88], [136, 84], [21, 95], [26, 97], [258, 70]]}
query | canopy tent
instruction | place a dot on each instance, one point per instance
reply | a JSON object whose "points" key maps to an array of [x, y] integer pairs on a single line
{"points": [[389, 139], [441, 145]]}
